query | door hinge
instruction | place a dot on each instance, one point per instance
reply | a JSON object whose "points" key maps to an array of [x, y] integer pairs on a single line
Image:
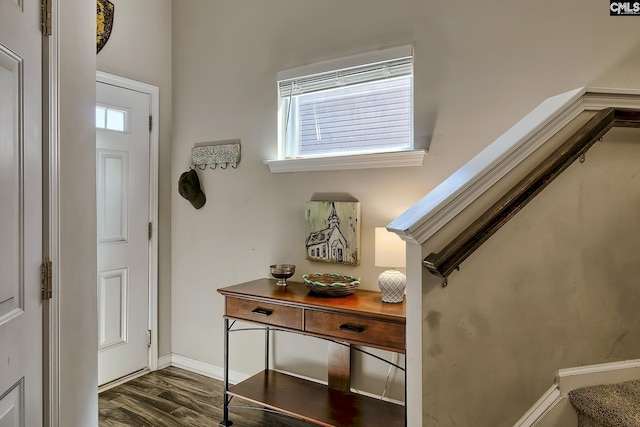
{"points": [[46, 277], [150, 230], [45, 17], [148, 338], [150, 123]]}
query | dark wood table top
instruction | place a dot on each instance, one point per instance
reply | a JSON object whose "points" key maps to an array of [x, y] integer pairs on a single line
{"points": [[362, 302]]}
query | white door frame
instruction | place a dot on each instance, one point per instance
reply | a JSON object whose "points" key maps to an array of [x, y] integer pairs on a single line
{"points": [[51, 223], [153, 92]]}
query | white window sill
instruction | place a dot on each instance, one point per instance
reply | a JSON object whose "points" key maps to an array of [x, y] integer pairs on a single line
{"points": [[356, 161]]}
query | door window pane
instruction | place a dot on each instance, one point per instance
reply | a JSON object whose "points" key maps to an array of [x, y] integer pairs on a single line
{"points": [[111, 119]]}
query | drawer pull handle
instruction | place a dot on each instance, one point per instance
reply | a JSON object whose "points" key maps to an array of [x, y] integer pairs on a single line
{"points": [[262, 311], [351, 328]]}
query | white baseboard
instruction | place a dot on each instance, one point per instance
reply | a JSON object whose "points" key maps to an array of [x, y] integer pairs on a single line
{"points": [[205, 369], [573, 378], [605, 373], [164, 361], [548, 400]]}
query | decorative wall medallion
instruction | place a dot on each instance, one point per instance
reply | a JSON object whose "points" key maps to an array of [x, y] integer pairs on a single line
{"points": [[104, 21]]}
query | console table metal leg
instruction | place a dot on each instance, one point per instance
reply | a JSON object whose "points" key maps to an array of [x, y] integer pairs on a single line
{"points": [[225, 397], [266, 349]]}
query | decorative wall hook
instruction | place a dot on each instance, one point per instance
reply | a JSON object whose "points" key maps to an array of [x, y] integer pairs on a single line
{"points": [[216, 154]]}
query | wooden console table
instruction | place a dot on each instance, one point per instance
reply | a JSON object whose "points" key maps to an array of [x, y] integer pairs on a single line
{"points": [[361, 319]]}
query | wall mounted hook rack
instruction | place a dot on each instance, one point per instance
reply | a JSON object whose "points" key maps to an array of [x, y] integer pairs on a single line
{"points": [[221, 154]]}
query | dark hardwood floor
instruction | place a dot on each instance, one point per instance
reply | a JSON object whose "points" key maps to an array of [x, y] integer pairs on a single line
{"points": [[173, 397]]}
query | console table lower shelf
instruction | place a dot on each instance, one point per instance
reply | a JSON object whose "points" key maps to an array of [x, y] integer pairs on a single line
{"points": [[317, 403]]}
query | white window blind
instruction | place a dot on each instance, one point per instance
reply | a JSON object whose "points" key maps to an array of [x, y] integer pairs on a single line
{"points": [[364, 108]]}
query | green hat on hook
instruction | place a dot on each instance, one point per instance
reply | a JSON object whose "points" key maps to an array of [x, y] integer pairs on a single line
{"points": [[189, 188]]}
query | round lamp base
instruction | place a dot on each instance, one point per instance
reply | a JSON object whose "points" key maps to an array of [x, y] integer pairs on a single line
{"points": [[392, 284]]}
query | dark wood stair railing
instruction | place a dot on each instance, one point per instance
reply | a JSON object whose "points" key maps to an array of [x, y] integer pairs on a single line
{"points": [[449, 258]]}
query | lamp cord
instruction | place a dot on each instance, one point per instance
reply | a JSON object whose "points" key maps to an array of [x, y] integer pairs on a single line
{"points": [[386, 383]]}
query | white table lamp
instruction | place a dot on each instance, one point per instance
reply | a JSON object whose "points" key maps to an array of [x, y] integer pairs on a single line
{"points": [[390, 252]]}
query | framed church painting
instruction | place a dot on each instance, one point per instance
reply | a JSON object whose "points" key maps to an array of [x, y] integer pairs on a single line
{"points": [[332, 232]]}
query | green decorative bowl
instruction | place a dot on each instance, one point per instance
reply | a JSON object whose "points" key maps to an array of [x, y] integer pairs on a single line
{"points": [[331, 284]]}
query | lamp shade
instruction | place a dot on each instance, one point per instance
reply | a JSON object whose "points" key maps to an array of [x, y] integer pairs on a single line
{"points": [[390, 249]]}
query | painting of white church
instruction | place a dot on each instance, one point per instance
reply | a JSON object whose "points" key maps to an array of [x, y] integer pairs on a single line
{"points": [[332, 232]]}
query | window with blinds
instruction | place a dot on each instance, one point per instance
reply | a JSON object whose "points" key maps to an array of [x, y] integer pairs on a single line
{"points": [[357, 109]]}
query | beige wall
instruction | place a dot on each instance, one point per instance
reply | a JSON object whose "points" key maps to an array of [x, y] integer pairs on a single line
{"points": [[470, 63], [77, 270], [556, 287], [479, 68], [140, 49], [225, 58]]}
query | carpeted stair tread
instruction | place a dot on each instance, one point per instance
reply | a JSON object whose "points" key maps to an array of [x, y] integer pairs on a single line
{"points": [[608, 405]]}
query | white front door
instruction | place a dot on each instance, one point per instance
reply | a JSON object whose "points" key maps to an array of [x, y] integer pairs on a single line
{"points": [[122, 156], [20, 214]]}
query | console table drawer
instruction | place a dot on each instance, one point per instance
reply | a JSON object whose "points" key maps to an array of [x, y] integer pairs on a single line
{"points": [[263, 312], [354, 328]]}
